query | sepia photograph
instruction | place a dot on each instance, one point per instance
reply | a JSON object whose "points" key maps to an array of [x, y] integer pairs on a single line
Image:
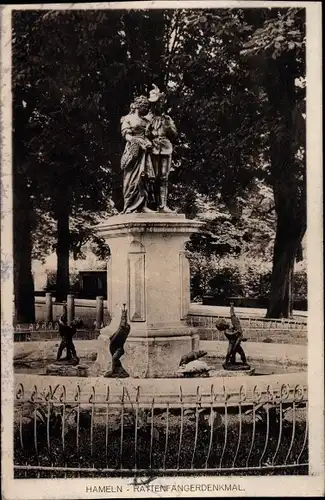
{"points": [[161, 221]]}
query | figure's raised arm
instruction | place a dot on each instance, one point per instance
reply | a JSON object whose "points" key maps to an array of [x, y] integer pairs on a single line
{"points": [[235, 320]]}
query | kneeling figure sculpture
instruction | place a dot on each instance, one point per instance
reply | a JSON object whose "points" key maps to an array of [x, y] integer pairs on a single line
{"points": [[67, 332]]}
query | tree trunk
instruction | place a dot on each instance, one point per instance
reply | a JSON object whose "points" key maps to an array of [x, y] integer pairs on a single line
{"points": [[22, 252], [62, 252], [289, 295], [281, 297], [288, 178], [23, 210], [290, 205]]}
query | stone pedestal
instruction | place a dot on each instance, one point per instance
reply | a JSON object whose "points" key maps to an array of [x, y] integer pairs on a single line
{"points": [[149, 272], [230, 373]]}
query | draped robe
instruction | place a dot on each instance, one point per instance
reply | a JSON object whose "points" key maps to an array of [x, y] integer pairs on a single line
{"points": [[136, 164]]}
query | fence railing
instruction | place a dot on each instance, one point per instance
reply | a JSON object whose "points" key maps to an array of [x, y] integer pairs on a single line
{"points": [[69, 431], [50, 331]]}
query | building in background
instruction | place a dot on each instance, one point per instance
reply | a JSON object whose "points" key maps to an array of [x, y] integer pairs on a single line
{"points": [[88, 277]]}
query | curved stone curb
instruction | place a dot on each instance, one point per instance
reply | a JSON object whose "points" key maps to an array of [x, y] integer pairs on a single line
{"points": [[216, 391]]}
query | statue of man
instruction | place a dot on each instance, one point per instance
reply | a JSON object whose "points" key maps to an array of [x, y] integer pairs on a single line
{"points": [[161, 131], [235, 336], [67, 332]]}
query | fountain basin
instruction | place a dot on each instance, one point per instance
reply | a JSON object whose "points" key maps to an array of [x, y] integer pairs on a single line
{"points": [[266, 359]]}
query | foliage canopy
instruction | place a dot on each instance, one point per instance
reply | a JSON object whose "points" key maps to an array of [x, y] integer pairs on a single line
{"points": [[235, 85]]}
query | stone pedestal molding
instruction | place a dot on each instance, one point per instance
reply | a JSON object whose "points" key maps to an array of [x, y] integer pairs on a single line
{"points": [[149, 272]]}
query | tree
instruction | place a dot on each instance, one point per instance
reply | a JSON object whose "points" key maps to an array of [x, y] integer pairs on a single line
{"points": [[66, 160], [79, 87], [22, 251], [73, 89], [277, 48], [249, 119], [239, 246], [24, 101], [219, 150]]}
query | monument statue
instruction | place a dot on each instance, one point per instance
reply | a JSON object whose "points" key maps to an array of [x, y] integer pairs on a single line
{"points": [[162, 131], [136, 160], [67, 332], [234, 334], [116, 347], [137, 242], [146, 160]]}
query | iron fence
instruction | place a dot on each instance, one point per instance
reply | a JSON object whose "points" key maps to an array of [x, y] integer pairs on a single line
{"points": [[48, 331], [69, 431]]}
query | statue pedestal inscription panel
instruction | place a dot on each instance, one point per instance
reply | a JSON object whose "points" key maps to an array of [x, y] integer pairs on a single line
{"points": [[149, 272]]}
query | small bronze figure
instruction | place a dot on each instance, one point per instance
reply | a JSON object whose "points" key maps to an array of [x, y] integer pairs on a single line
{"points": [[116, 347], [67, 332], [234, 334]]}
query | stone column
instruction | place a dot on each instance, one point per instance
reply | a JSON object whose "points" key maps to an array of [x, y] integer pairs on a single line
{"points": [[148, 271], [48, 308], [99, 311], [70, 308]]}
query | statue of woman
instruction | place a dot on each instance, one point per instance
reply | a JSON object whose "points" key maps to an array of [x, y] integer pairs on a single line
{"points": [[136, 160]]}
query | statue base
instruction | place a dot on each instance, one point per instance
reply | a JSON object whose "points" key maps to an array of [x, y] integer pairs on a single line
{"points": [[148, 272], [236, 367], [194, 375], [119, 372], [67, 362], [146, 357]]}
